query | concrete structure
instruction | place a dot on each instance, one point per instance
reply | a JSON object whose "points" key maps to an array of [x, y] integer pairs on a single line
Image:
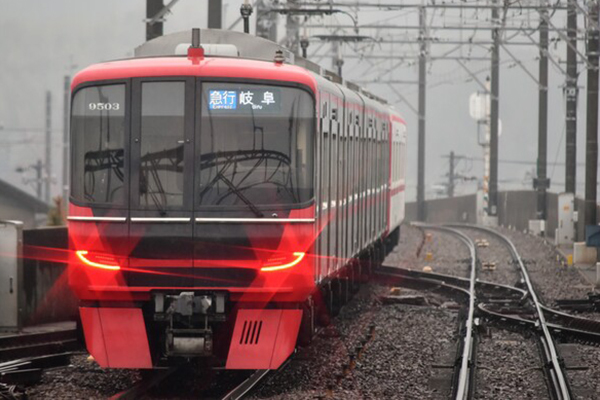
{"points": [[18, 205], [515, 209]]}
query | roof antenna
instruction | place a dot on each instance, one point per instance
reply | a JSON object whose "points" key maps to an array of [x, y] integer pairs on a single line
{"points": [[195, 50], [279, 58], [246, 11]]}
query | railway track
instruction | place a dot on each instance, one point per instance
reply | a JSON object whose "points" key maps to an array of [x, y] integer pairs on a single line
{"points": [[508, 306], [466, 289], [247, 385], [554, 369], [154, 378], [38, 344]]}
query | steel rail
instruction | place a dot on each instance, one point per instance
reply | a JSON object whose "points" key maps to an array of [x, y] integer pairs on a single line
{"points": [[560, 387], [143, 386], [248, 384], [463, 389], [38, 343], [484, 289], [568, 327]]}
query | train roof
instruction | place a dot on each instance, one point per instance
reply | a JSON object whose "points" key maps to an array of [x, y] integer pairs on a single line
{"points": [[228, 54], [182, 66], [222, 42]]}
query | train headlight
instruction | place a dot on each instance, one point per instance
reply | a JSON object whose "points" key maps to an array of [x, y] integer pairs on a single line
{"points": [[276, 265], [104, 261]]}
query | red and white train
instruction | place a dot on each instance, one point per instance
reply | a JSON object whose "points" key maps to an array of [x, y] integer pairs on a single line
{"points": [[220, 206]]}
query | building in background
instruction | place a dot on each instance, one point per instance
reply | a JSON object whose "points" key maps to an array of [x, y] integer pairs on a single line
{"points": [[15, 204]]}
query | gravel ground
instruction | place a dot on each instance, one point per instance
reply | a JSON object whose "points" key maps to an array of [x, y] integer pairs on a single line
{"points": [[83, 379], [551, 279], [404, 255], [445, 254], [442, 252], [586, 383], [508, 367], [494, 252]]}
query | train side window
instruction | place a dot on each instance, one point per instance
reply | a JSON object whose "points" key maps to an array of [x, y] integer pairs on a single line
{"points": [[98, 128]]}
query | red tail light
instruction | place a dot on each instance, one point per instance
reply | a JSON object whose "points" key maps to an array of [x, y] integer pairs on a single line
{"points": [[276, 265], [104, 261]]}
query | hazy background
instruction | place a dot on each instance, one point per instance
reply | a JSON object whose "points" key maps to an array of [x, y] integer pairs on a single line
{"points": [[42, 41]]}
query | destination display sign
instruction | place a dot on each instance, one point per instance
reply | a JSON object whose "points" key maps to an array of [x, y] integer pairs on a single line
{"points": [[244, 100]]}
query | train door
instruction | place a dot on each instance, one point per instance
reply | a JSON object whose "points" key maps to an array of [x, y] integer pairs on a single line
{"points": [[324, 210], [317, 185], [342, 184], [334, 199], [351, 181], [362, 173], [369, 179], [160, 203]]}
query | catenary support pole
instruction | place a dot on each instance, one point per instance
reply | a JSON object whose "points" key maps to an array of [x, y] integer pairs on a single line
{"points": [[48, 147], [591, 150], [542, 183], [494, 112], [154, 30], [571, 94], [215, 14], [451, 176], [422, 92]]}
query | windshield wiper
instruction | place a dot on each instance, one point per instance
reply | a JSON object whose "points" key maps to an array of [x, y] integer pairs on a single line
{"points": [[239, 194]]}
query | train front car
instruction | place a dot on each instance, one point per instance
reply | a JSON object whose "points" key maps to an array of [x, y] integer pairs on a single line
{"points": [[192, 214]]}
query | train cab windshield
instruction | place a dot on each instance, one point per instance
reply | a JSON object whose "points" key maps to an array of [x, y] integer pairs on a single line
{"points": [[252, 145], [255, 146]]}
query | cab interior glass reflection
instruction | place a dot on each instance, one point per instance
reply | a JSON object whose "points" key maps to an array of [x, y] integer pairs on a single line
{"points": [[255, 146], [98, 140]]}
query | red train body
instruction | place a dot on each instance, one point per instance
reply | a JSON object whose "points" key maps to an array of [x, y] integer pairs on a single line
{"points": [[219, 206]]}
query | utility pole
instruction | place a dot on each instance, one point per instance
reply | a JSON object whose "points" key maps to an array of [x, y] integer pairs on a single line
{"points": [[292, 28], [48, 144], [542, 182], [421, 141], [65, 172], [39, 166], [266, 22], [153, 30], [215, 11], [494, 112], [591, 150], [571, 95], [451, 176]]}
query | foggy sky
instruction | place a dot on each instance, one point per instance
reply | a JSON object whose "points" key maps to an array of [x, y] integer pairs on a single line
{"points": [[42, 40]]}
